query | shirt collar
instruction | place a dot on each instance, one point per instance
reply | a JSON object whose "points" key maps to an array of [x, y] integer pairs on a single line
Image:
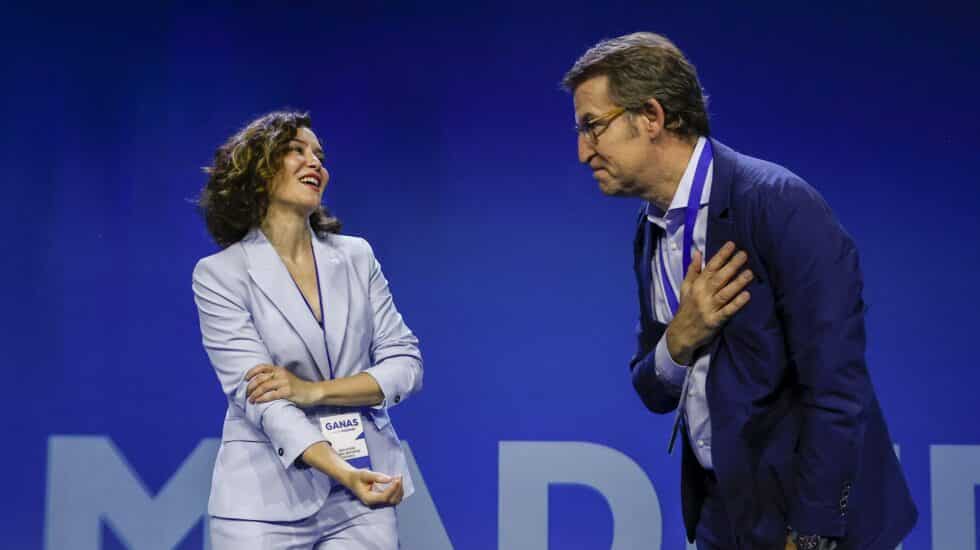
{"points": [[679, 202]]}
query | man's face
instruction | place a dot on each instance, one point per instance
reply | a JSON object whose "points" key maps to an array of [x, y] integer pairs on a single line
{"points": [[619, 154]]}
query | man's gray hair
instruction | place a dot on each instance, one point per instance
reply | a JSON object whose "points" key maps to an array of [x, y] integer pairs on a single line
{"points": [[645, 65]]}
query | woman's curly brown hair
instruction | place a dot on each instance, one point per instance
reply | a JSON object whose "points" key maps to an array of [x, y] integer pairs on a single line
{"points": [[236, 196]]}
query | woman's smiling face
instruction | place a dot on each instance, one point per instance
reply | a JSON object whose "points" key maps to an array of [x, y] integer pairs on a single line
{"points": [[300, 181]]}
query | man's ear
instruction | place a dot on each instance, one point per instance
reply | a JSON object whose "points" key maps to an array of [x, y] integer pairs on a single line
{"points": [[653, 118]]}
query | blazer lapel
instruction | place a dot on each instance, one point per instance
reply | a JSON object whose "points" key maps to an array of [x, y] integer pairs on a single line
{"points": [[720, 227], [334, 295], [272, 277], [643, 247], [720, 230]]}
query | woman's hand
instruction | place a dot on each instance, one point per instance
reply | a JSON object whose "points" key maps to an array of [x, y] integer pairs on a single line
{"points": [[269, 382], [363, 483]]}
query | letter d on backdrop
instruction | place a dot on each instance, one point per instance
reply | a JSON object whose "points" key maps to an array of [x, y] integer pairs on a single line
{"points": [[528, 467]]}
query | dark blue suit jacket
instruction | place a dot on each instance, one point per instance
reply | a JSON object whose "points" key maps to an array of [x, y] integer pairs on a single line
{"points": [[798, 437]]}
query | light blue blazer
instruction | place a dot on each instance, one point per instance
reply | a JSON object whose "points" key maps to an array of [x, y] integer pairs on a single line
{"points": [[252, 312]]}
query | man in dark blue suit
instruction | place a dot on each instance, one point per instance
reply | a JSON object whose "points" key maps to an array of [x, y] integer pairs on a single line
{"points": [[759, 350]]}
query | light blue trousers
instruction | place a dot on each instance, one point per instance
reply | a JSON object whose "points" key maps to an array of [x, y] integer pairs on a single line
{"points": [[343, 523]]}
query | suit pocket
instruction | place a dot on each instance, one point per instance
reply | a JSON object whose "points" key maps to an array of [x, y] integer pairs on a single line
{"points": [[240, 429], [250, 483]]}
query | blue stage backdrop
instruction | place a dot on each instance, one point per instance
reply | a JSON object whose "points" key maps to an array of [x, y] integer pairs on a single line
{"points": [[451, 150]]}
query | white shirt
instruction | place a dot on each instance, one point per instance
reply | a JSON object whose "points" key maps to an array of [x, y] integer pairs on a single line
{"points": [[695, 404]]}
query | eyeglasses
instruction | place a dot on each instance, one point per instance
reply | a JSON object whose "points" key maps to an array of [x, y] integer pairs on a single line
{"points": [[593, 128]]}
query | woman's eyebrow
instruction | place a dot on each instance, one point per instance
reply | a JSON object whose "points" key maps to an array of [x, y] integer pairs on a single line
{"points": [[317, 150]]}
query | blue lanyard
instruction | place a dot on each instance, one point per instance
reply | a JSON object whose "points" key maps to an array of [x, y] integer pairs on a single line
{"points": [[690, 219]]}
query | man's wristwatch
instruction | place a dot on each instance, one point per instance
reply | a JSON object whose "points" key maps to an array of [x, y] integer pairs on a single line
{"points": [[814, 542], [811, 542]]}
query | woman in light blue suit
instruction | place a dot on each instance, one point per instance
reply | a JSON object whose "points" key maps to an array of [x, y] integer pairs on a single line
{"points": [[301, 329]]}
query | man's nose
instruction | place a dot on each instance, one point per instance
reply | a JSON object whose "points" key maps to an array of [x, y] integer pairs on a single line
{"points": [[585, 149]]}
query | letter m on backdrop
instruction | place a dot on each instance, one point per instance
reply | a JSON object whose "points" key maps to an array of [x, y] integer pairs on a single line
{"points": [[89, 482]]}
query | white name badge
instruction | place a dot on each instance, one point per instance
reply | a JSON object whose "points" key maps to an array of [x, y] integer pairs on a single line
{"points": [[345, 433]]}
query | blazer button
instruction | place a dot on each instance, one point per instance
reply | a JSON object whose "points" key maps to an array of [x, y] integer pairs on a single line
{"points": [[398, 398], [281, 451]]}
